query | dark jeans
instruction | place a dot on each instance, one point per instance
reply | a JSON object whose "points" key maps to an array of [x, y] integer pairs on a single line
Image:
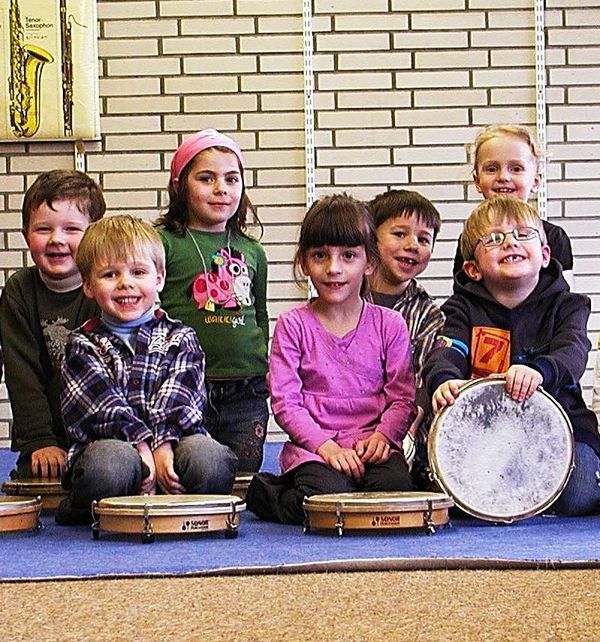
{"points": [[113, 468], [237, 416], [581, 495], [279, 498]]}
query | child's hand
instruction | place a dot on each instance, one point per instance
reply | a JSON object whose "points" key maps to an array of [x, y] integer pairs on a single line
{"points": [[375, 449], [48, 462], [167, 478], [522, 382], [446, 393], [148, 483], [344, 460]]}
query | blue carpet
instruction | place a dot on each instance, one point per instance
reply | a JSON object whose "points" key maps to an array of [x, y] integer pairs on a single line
{"points": [[70, 552]]}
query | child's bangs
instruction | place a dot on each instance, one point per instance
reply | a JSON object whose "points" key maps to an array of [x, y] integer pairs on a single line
{"points": [[109, 252], [495, 212], [123, 251], [428, 217], [336, 229], [513, 212]]}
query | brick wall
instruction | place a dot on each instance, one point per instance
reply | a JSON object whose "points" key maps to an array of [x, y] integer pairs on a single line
{"points": [[401, 88]]}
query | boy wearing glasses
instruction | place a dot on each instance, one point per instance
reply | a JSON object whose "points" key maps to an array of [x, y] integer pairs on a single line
{"points": [[512, 313]]}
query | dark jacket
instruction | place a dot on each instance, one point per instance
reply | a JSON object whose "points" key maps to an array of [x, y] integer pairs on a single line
{"points": [[34, 325], [546, 332]]}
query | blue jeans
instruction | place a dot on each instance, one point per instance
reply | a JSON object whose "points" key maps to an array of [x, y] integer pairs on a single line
{"points": [[237, 415], [113, 468], [581, 495]]}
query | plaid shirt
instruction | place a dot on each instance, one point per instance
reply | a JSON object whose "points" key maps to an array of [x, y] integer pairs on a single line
{"points": [[155, 395], [424, 320]]}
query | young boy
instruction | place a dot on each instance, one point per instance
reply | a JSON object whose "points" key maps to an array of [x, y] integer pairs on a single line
{"points": [[512, 293], [133, 393], [39, 307], [407, 225]]}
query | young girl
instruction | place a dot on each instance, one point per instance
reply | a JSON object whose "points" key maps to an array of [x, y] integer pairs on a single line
{"points": [[507, 161], [216, 282], [340, 373]]}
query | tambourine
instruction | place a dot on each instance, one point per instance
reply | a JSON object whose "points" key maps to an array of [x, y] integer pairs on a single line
{"points": [[364, 511], [501, 460], [149, 515], [49, 489], [18, 514]]}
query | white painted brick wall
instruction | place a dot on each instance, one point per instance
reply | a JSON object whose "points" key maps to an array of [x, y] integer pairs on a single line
{"points": [[402, 88]]}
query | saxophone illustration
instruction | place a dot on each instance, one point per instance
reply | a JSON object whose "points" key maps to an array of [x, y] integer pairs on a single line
{"points": [[26, 63]]}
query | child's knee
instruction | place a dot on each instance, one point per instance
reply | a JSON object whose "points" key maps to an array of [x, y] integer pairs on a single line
{"points": [[581, 495], [107, 468], [204, 465], [393, 476]]}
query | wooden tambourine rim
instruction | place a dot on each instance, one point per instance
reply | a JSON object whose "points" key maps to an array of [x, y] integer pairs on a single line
{"points": [[187, 514], [497, 380], [362, 511], [51, 492], [18, 514], [378, 501], [182, 505]]}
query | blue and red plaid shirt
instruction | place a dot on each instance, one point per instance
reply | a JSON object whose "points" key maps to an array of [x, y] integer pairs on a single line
{"points": [[155, 395]]}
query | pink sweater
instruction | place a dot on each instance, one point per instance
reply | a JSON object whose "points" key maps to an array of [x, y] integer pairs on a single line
{"points": [[326, 387]]}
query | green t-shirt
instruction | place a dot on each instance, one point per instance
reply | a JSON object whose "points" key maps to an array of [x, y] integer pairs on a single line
{"points": [[217, 284]]}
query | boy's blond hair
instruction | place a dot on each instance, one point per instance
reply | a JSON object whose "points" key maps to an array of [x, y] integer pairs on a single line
{"points": [[520, 131], [494, 211], [119, 238]]}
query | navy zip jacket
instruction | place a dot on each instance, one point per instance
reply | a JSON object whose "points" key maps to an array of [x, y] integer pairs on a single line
{"points": [[546, 332]]}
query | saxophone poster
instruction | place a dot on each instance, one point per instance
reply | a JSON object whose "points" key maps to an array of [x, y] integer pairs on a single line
{"points": [[48, 70]]}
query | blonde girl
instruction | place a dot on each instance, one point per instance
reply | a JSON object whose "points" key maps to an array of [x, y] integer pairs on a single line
{"points": [[507, 161]]}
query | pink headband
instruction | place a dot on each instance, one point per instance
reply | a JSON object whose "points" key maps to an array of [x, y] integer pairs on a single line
{"points": [[198, 143]]}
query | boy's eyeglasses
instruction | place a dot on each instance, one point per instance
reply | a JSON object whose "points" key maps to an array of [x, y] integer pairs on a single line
{"points": [[494, 239]]}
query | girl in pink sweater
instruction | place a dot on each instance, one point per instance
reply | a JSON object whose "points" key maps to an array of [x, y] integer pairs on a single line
{"points": [[340, 373]]}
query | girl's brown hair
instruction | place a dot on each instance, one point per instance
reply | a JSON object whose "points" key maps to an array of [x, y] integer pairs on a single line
{"points": [[176, 218], [339, 221]]}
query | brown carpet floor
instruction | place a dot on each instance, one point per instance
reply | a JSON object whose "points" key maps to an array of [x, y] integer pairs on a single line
{"points": [[416, 605]]}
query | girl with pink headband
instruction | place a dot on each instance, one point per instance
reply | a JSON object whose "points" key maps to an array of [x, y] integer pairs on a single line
{"points": [[217, 283]]}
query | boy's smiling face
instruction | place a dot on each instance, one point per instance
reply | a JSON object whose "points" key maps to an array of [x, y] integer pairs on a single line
{"points": [[53, 236], [512, 264], [405, 246], [125, 289]]}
